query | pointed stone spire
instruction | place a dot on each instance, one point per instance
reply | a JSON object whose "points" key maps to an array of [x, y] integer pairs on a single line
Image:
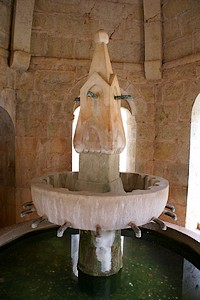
{"points": [[99, 128], [101, 55]]}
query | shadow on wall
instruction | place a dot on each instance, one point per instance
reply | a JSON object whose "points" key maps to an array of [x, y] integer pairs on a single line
{"points": [[7, 170]]}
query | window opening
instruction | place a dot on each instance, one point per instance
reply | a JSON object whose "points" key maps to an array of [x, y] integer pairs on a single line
{"points": [[193, 200]]}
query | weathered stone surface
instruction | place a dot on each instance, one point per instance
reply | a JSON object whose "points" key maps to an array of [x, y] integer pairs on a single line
{"points": [[82, 50], [93, 135], [185, 111], [22, 25], [167, 113], [59, 7], [178, 175], [84, 19], [146, 131], [47, 80], [182, 151], [7, 101], [171, 30], [147, 92], [144, 151], [173, 92], [153, 41], [39, 43], [153, 69], [197, 42], [42, 21], [152, 11], [132, 52], [5, 22], [130, 29], [103, 256], [20, 60], [181, 28], [21, 34], [60, 47], [173, 132], [183, 72], [178, 48], [189, 21], [165, 151], [85, 210], [173, 7], [98, 172], [135, 77]]}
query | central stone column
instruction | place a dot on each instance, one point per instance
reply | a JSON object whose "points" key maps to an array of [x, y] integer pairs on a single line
{"points": [[100, 251], [99, 138], [99, 173]]}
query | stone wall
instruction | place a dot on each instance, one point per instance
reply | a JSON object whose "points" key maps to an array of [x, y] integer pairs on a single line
{"points": [[62, 47], [66, 30], [7, 76], [7, 121], [44, 114], [181, 31], [40, 101], [7, 170], [175, 97]]}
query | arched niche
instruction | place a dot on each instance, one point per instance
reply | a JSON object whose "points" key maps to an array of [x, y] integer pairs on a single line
{"points": [[193, 200], [7, 170]]}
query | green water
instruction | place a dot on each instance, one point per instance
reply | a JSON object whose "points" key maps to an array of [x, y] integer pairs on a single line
{"points": [[39, 267]]}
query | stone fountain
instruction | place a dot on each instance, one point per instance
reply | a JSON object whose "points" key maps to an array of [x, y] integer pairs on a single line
{"points": [[98, 200]]}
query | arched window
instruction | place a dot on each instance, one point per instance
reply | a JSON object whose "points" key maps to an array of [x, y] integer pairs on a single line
{"points": [[75, 155], [193, 200], [7, 170], [127, 157]]}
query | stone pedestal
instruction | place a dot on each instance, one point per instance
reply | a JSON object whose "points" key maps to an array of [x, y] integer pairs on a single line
{"points": [[100, 255], [100, 138], [99, 173], [100, 251]]}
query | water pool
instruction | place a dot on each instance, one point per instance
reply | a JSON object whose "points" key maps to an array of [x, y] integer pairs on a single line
{"points": [[39, 266]]}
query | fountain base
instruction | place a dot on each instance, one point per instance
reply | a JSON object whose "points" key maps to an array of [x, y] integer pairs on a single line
{"points": [[151, 266], [100, 255]]}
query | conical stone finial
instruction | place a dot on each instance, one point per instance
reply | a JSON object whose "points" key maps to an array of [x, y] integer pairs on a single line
{"points": [[101, 37], [99, 128], [101, 60]]}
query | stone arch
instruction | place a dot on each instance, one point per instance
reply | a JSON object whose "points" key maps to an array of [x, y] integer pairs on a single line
{"points": [[193, 202], [7, 169], [7, 102]]}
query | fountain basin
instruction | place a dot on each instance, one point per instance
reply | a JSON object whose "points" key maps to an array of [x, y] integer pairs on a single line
{"points": [[141, 198], [32, 265]]}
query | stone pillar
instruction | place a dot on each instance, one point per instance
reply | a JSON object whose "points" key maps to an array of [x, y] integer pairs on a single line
{"points": [[100, 255], [153, 39], [21, 34], [99, 173], [99, 138], [100, 251]]}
